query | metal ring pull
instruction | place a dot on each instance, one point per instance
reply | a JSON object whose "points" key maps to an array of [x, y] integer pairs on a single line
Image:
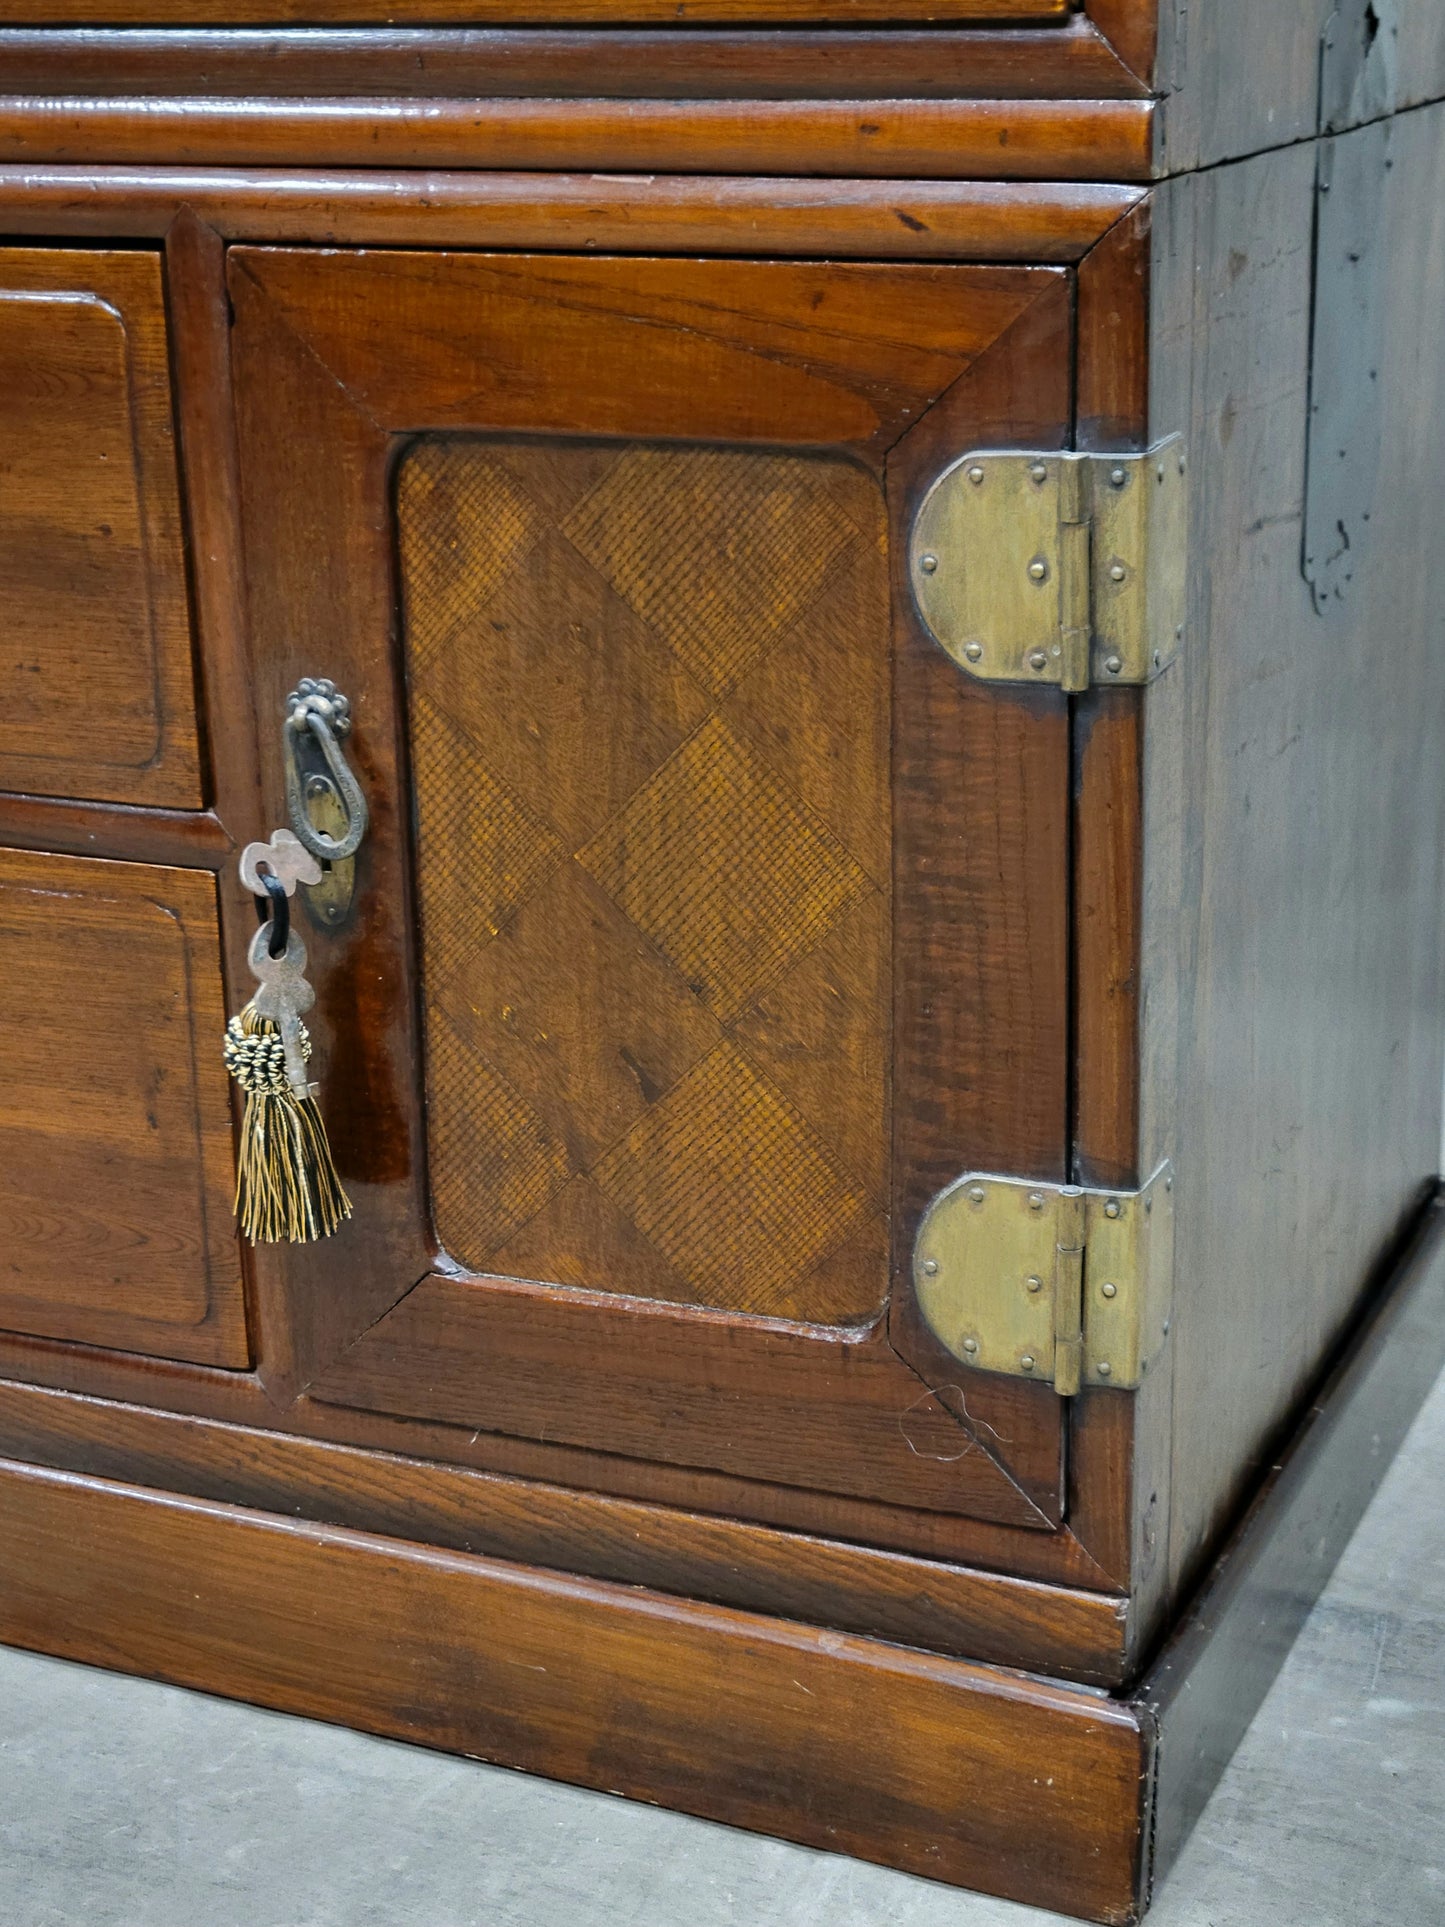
{"points": [[274, 908], [317, 717]]}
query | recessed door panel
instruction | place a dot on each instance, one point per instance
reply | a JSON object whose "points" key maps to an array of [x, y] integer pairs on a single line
{"points": [[710, 918]]}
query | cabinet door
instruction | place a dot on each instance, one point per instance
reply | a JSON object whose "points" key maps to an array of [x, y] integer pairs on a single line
{"points": [[710, 920]]}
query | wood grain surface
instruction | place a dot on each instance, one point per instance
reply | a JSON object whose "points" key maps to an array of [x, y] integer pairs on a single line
{"points": [[933, 1603], [1292, 1038], [1097, 140], [1067, 59], [648, 692], [115, 1126], [913, 220], [96, 682], [942, 1768]]}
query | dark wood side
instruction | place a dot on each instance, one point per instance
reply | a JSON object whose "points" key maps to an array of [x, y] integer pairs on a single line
{"points": [[1069, 60], [1236, 88], [955, 1771], [932, 1603], [915, 220], [115, 1141], [1295, 794], [315, 343], [1096, 140], [1208, 1682]]}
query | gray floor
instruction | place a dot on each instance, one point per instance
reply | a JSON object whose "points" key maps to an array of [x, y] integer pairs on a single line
{"points": [[124, 1804]]}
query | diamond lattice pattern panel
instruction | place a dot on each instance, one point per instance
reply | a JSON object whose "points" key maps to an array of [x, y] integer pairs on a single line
{"points": [[649, 729]]}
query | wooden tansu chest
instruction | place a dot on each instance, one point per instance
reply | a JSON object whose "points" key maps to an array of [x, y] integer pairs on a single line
{"points": [[875, 569]]}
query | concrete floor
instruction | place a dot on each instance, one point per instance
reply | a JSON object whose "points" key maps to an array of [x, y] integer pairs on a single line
{"points": [[125, 1804]]}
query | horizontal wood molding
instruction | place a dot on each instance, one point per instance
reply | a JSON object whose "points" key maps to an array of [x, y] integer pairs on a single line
{"points": [[940, 1606], [1099, 140], [941, 1767], [155, 1384], [190, 839], [615, 13], [894, 220], [1070, 60]]}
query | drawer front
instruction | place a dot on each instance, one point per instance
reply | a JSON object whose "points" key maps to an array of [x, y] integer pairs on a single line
{"points": [[115, 1129], [96, 677]]}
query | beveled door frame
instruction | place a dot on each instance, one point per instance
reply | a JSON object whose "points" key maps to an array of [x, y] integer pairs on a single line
{"points": [[323, 402]]}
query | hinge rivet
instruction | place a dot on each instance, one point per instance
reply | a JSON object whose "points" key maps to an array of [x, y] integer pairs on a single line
{"points": [[976, 1194], [1038, 473], [975, 475], [1034, 1284], [1112, 1208], [1113, 664], [1118, 477], [930, 1265], [1027, 1361], [1039, 659], [1117, 571], [970, 1344], [1109, 1291], [974, 651], [1105, 1368], [928, 563], [1036, 1201], [1038, 570]]}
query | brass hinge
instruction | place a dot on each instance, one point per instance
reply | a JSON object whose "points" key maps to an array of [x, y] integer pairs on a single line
{"points": [[1066, 569], [1047, 1281]]}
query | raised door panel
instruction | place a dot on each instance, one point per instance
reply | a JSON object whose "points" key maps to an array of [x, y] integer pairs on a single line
{"points": [[96, 676], [709, 918], [115, 1125]]}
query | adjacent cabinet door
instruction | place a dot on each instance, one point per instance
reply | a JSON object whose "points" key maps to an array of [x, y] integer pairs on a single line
{"points": [[710, 920]]}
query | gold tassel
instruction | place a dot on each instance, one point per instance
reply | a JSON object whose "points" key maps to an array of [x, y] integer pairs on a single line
{"points": [[287, 1190]]}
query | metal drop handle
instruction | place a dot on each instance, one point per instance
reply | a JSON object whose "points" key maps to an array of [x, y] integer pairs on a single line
{"points": [[318, 716]]}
